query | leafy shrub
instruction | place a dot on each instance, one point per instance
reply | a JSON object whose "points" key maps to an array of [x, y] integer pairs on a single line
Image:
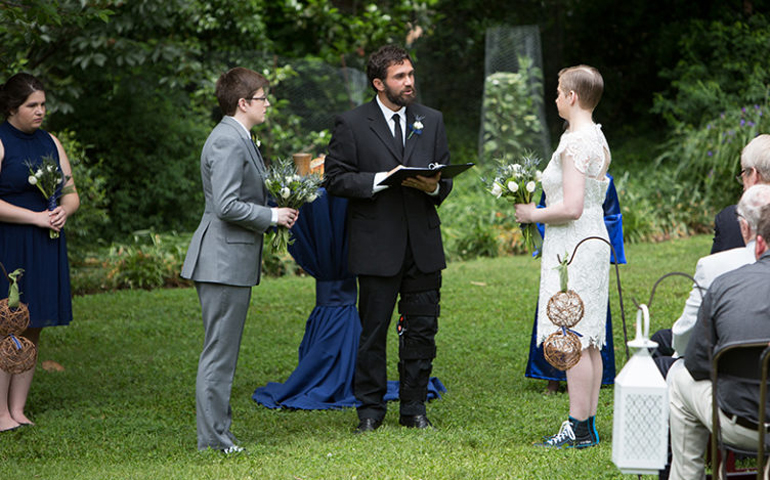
{"points": [[475, 223], [511, 105], [149, 260], [718, 70], [704, 161], [92, 215]]}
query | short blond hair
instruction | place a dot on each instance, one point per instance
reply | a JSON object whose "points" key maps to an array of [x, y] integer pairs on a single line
{"points": [[586, 81], [756, 155]]}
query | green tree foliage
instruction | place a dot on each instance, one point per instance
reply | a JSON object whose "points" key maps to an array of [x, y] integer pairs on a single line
{"points": [[718, 70], [135, 80]]}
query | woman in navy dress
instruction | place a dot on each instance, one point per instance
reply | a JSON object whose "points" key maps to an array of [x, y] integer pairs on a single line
{"points": [[25, 228]]}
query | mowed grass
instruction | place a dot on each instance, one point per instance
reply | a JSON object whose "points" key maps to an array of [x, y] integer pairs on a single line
{"points": [[124, 406]]}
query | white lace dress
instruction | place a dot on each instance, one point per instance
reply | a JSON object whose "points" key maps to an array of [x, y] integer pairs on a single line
{"points": [[589, 271]]}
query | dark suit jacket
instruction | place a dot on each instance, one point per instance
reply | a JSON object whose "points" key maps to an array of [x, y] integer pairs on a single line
{"points": [[727, 231], [379, 225]]}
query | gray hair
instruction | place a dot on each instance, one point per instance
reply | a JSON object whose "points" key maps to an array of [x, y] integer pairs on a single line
{"points": [[751, 203], [756, 155]]}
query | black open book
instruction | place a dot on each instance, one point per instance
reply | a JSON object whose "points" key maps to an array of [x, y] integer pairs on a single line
{"points": [[447, 171]]}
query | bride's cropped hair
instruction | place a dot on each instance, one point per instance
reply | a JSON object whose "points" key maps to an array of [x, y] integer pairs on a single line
{"points": [[586, 81]]}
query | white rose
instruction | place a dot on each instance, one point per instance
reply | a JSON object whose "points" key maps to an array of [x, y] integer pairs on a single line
{"points": [[39, 173], [531, 186], [497, 190], [513, 186], [539, 176], [32, 180], [285, 192], [418, 125], [288, 179]]}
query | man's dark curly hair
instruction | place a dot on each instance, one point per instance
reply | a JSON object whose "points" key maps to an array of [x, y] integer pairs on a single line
{"points": [[379, 61]]}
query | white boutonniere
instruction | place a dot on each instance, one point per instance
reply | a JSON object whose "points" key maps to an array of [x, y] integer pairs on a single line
{"points": [[416, 127]]}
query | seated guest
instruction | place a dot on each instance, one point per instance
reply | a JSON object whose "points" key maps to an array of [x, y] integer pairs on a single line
{"points": [[734, 309], [755, 169], [709, 268]]}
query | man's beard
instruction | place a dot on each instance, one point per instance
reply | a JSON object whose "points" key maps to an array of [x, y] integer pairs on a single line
{"points": [[400, 100]]}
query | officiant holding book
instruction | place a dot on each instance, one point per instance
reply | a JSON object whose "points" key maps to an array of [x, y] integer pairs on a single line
{"points": [[395, 245]]}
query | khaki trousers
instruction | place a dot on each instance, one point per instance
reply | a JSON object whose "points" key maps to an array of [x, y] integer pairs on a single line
{"points": [[691, 424]]}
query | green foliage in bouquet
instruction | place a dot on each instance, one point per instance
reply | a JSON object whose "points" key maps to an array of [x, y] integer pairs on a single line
{"points": [[511, 105], [289, 189]]}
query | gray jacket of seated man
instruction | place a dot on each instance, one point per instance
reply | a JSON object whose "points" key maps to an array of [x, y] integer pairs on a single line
{"points": [[734, 309]]}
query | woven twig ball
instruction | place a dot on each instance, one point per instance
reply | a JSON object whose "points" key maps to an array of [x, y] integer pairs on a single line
{"points": [[17, 354], [13, 320], [565, 309], [562, 350]]}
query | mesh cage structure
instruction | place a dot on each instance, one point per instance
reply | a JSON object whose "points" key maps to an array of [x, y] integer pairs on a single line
{"points": [[320, 91], [513, 112]]}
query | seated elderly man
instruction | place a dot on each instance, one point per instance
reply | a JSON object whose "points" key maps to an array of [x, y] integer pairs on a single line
{"points": [[673, 342], [735, 308], [755, 169]]}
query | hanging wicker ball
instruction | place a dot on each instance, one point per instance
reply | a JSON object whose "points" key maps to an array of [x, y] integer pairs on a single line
{"points": [[565, 309], [17, 354], [13, 320], [562, 350]]}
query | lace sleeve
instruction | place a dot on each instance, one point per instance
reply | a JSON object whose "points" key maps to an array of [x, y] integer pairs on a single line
{"points": [[588, 160]]}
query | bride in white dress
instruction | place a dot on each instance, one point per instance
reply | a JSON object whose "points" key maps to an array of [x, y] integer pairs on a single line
{"points": [[575, 185]]}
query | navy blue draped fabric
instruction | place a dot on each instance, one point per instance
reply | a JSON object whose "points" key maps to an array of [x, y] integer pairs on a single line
{"points": [[537, 366], [323, 378]]}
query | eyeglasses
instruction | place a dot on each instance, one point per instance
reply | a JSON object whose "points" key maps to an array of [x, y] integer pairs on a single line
{"points": [[744, 171], [261, 99]]}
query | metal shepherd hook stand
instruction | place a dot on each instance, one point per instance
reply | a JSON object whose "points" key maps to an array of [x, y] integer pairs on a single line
{"points": [[617, 275]]}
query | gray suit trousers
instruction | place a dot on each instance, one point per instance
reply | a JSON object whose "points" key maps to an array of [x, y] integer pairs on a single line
{"points": [[224, 309]]}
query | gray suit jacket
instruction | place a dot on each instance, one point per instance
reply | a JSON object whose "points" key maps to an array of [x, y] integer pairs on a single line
{"points": [[227, 245]]}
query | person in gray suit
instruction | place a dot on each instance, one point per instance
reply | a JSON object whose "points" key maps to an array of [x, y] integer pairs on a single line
{"points": [[225, 253]]}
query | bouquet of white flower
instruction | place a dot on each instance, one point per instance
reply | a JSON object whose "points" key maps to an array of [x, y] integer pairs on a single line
{"points": [[289, 189], [518, 182], [50, 180]]}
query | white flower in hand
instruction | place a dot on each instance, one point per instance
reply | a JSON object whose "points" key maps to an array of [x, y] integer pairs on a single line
{"points": [[497, 190], [32, 180], [312, 198], [39, 173], [513, 186], [531, 186], [285, 192], [539, 176]]}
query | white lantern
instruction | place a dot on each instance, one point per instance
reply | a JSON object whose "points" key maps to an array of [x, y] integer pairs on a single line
{"points": [[640, 422]]}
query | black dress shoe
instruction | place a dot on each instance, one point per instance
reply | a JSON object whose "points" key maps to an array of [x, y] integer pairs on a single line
{"points": [[367, 425], [415, 421]]}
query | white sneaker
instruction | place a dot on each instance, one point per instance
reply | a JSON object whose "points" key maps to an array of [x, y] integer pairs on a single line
{"points": [[232, 449]]}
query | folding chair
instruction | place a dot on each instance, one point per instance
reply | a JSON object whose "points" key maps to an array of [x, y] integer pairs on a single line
{"points": [[747, 361]]}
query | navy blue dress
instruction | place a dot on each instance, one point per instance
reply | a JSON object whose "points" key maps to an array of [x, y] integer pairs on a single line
{"points": [[45, 284], [537, 365]]}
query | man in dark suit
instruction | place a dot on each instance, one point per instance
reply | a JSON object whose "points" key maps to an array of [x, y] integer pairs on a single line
{"points": [[395, 242], [755, 169], [226, 249]]}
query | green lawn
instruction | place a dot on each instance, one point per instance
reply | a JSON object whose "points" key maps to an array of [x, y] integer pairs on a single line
{"points": [[124, 406]]}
